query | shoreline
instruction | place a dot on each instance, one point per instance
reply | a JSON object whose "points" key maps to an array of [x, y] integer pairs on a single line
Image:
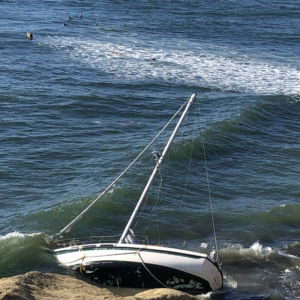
{"points": [[37, 285]]}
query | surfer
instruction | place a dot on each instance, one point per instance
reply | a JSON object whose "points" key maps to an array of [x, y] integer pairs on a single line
{"points": [[80, 16]]}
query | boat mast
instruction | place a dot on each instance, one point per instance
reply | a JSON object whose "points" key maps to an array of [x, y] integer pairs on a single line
{"points": [[156, 168], [74, 221]]}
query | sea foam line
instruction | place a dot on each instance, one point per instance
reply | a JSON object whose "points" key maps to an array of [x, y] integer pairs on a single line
{"points": [[198, 67]]}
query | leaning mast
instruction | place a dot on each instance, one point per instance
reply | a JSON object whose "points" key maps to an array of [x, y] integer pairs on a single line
{"points": [[156, 168]]}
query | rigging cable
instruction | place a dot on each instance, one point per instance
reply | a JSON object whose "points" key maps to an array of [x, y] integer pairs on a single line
{"points": [[189, 164], [150, 273], [69, 226], [208, 186]]}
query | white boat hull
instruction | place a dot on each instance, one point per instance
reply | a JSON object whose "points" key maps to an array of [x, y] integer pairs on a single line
{"points": [[144, 266]]}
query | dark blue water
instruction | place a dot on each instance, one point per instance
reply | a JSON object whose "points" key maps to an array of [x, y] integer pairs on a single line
{"points": [[74, 115]]}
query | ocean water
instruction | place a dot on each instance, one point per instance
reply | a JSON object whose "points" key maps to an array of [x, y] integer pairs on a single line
{"points": [[74, 115]]}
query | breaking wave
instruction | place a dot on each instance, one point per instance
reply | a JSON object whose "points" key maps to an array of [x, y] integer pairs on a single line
{"points": [[198, 67], [22, 252], [282, 268], [16, 235]]}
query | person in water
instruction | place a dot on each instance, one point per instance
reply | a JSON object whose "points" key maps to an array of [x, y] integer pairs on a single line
{"points": [[150, 58], [29, 35]]}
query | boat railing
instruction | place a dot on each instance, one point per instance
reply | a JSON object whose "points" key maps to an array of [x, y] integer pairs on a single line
{"points": [[62, 242]]}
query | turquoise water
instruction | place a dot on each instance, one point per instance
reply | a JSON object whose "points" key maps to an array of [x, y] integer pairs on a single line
{"points": [[74, 115]]}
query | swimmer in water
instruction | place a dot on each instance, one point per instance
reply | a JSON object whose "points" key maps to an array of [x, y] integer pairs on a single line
{"points": [[150, 58], [29, 35]]}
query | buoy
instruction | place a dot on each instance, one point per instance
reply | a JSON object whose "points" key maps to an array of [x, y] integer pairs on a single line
{"points": [[29, 35]]}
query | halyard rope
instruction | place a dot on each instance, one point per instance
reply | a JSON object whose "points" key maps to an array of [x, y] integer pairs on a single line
{"points": [[209, 192]]}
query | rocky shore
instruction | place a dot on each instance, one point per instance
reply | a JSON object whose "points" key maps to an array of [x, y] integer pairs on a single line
{"points": [[36, 285]]}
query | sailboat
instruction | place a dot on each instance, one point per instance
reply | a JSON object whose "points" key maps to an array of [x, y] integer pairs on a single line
{"points": [[128, 263]]}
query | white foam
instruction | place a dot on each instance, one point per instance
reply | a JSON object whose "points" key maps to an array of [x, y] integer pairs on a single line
{"points": [[203, 296], [256, 247], [192, 67], [17, 234], [256, 251], [230, 281]]}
